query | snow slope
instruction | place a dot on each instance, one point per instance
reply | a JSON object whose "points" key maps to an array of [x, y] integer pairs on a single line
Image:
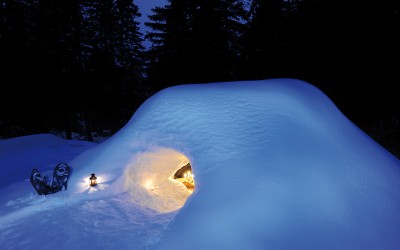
{"points": [[276, 165]]}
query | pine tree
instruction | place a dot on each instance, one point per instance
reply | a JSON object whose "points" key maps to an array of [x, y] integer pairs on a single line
{"points": [[217, 27], [130, 61], [195, 41], [264, 42], [57, 65], [39, 49], [13, 21], [167, 57], [113, 60]]}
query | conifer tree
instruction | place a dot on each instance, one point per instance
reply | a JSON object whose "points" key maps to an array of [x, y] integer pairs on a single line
{"points": [[264, 40], [217, 27], [195, 41], [168, 59], [113, 60]]}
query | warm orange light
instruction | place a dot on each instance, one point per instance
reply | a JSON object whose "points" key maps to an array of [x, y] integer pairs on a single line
{"points": [[93, 180], [149, 184], [189, 176]]}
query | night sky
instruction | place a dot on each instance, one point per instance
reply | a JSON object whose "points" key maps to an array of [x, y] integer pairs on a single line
{"points": [[145, 7]]}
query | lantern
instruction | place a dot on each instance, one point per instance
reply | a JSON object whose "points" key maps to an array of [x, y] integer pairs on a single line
{"points": [[93, 180]]}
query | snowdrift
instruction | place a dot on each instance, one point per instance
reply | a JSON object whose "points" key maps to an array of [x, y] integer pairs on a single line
{"points": [[276, 164]]}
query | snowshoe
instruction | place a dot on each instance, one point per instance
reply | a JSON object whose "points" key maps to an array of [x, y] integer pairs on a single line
{"points": [[40, 183], [61, 176]]}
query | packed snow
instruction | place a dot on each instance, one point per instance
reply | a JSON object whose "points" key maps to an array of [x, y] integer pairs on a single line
{"points": [[276, 166]]}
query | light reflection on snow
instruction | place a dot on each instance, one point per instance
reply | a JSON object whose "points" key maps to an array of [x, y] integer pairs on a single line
{"points": [[102, 184]]}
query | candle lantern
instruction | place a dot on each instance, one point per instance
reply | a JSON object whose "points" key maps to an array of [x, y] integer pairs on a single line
{"points": [[93, 180]]}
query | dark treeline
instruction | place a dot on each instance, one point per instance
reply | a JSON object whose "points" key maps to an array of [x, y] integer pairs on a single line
{"points": [[80, 65], [69, 65]]}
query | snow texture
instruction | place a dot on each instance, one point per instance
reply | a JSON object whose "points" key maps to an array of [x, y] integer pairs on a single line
{"points": [[276, 166]]}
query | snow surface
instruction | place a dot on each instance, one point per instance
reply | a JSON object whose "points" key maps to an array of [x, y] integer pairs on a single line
{"points": [[276, 166]]}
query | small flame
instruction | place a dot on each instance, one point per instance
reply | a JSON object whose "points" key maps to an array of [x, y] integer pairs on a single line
{"points": [[189, 176], [148, 184]]}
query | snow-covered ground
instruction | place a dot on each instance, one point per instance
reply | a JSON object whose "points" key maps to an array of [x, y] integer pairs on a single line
{"points": [[276, 166], [63, 220]]}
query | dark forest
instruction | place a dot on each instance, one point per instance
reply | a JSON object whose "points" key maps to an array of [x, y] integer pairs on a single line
{"points": [[80, 66]]}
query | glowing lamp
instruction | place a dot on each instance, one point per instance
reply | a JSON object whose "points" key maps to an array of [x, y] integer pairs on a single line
{"points": [[93, 180]]}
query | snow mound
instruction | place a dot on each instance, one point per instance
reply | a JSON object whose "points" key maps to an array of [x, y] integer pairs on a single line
{"points": [[276, 164]]}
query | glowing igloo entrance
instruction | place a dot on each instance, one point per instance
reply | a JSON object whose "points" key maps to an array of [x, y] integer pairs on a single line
{"points": [[159, 179]]}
